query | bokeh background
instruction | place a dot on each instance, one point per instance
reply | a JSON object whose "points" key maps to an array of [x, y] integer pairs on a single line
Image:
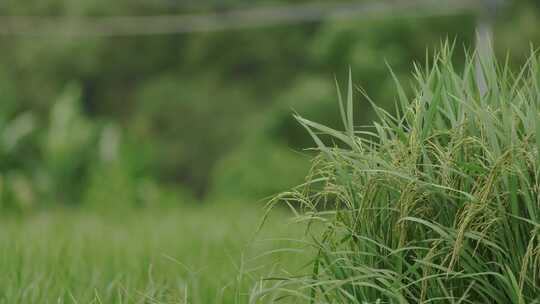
{"points": [[108, 116]]}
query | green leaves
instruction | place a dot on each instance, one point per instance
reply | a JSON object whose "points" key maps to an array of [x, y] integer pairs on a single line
{"points": [[439, 202]]}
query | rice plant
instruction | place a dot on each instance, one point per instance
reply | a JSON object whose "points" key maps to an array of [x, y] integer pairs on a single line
{"points": [[438, 203]]}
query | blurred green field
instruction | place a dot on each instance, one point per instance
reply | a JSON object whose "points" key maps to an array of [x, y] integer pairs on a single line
{"points": [[207, 254]]}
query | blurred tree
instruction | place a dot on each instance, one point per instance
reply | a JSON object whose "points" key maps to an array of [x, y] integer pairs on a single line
{"points": [[199, 109]]}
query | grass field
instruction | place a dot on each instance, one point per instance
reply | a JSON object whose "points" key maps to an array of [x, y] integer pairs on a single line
{"points": [[191, 255]]}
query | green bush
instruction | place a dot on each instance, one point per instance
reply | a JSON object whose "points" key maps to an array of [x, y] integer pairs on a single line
{"points": [[257, 170], [270, 160], [67, 147], [187, 125], [117, 181], [16, 191], [438, 203]]}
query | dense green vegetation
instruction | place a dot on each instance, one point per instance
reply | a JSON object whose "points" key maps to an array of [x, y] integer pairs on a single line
{"points": [[177, 255], [188, 109], [438, 203], [134, 169]]}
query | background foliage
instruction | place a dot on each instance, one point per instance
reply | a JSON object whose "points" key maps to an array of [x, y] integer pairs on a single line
{"points": [[195, 115]]}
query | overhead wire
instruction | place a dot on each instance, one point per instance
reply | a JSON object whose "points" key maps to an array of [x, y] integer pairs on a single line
{"points": [[226, 19]]}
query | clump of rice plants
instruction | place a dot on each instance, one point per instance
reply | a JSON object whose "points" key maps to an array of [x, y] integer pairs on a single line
{"points": [[438, 203]]}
